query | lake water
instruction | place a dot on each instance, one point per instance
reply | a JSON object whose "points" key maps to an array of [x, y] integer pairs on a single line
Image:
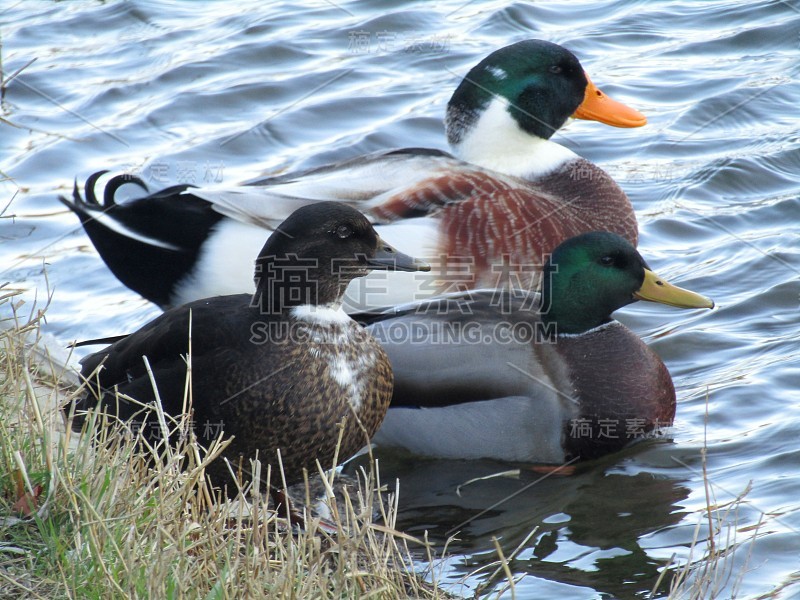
{"points": [[220, 92]]}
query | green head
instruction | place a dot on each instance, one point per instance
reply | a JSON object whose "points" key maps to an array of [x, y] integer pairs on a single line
{"points": [[543, 83], [591, 275], [540, 86]]}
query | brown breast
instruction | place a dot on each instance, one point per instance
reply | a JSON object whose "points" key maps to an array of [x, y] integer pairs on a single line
{"points": [[625, 390]]}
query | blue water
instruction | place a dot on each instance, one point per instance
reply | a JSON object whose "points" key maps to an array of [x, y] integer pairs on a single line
{"points": [[219, 92]]}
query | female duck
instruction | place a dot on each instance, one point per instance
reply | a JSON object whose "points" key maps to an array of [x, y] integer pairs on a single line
{"points": [[278, 370], [510, 192], [529, 377]]}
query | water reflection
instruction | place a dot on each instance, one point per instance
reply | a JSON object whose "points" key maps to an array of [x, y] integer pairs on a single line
{"points": [[589, 523]]}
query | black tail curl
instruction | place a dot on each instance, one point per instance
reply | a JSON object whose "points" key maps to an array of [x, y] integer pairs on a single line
{"points": [[150, 243]]}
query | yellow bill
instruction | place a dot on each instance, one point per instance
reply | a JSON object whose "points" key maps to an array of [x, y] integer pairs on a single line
{"points": [[656, 289]]}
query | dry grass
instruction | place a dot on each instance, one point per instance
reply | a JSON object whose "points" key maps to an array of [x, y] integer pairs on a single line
{"points": [[713, 574], [114, 518]]}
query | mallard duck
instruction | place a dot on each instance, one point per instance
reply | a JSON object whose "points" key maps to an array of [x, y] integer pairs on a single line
{"points": [[508, 191], [543, 378], [277, 370]]}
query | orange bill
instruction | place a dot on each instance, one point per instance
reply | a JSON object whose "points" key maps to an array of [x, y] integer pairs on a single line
{"points": [[596, 106]]}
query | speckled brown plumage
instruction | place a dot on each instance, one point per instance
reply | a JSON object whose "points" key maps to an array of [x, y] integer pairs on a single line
{"points": [[272, 371], [308, 430]]}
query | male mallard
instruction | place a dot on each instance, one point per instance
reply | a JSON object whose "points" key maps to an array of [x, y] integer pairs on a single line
{"points": [[510, 191], [280, 369], [526, 377]]}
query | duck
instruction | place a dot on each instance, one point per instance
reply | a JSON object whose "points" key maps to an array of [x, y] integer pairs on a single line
{"points": [[281, 370], [540, 378], [506, 194]]}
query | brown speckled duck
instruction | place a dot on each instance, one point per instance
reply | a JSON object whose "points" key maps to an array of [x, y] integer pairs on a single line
{"points": [[539, 378], [280, 369]]}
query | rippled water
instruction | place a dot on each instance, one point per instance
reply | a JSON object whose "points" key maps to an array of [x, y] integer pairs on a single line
{"points": [[222, 91]]}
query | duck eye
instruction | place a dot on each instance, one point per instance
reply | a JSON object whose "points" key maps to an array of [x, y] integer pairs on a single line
{"points": [[343, 231], [607, 261], [555, 69]]}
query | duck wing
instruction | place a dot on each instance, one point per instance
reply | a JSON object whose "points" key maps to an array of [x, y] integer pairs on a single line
{"points": [[458, 348], [165, 343], [366, 182]]}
